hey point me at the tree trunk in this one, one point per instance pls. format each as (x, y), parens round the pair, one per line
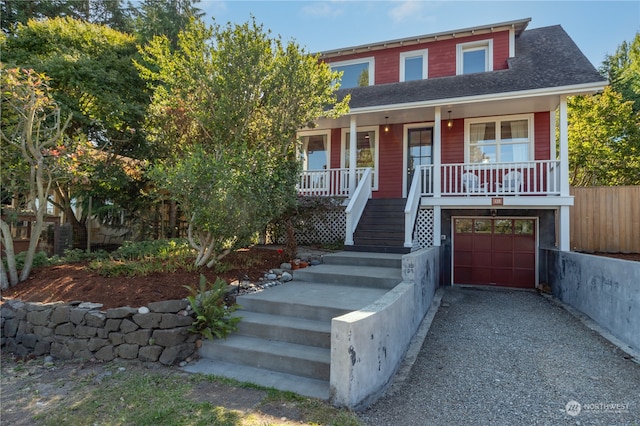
(7, 240)
(173, 219)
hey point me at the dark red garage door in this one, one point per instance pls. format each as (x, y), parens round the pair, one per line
(492, 251)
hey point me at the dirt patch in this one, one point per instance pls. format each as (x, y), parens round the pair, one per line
(76, 282)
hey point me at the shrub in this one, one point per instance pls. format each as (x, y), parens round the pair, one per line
(213, 316)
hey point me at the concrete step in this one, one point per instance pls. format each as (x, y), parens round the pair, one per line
(284, 328)
(310, 300)
(270, 379)
(350, 275)
(289, 358)
(364, 259)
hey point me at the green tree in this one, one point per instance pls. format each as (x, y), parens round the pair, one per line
(104, 12)
(32, 134)
(94, 80)
(241, 97)
(622, 69)
(604, 140)
(164, 17)
(604, 135)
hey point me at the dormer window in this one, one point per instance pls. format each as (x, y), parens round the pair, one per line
(355, 73)
(413, 65)
(474, 57)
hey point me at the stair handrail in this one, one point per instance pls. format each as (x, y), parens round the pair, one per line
(411, 208)
(356, 205)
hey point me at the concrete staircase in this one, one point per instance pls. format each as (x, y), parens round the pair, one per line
(381, 227)
(284, 337)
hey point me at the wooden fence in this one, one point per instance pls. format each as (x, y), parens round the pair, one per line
(606, 219)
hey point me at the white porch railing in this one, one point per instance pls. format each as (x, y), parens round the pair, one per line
(357, 204)
(327, 183)
(413, 202)
(491, 179)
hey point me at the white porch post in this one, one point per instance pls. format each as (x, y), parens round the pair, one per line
(437, 157)
(353, 158)
(564, 233)
(437, 225)
(436, 178)
(564, 148)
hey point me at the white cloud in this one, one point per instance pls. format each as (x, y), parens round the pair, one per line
(406, 10)
(322, 9)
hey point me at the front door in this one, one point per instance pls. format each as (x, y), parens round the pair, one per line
(419, 151)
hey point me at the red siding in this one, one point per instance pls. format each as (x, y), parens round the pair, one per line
(336, 135)
(452, 142)
(442, 56)
(390, 159)
(542, 131)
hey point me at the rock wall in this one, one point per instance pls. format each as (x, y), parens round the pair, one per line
(157, 333)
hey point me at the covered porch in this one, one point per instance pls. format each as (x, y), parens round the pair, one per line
(449, 176)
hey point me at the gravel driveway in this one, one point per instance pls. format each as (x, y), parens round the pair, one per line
(506, 357)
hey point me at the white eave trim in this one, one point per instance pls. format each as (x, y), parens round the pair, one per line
(579, 89)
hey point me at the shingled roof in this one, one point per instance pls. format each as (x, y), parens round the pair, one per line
(546, 58)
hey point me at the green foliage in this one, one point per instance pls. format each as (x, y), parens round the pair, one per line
(105, 12)
(145, 257)
(604, 140)
(164, 17)
(213, 317)
(227, 105)
(94, 81)
(39, 259)
(622, 69)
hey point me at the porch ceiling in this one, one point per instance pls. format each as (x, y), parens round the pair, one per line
(408, 113)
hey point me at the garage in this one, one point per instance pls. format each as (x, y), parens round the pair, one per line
(494, 251)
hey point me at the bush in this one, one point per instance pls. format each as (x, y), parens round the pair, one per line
(213, 316)
(145, 257)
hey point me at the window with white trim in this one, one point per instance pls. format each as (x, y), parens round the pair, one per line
(366, 150)
(414, 65)
(474, 57)
(355, 73)
(499, 140)
(315, 150)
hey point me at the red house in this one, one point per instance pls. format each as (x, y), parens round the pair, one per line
(458, 140)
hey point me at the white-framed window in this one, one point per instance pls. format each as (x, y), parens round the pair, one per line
(356, 72)
(414, 65)
(474, 57)
(499, 139)
(315, 149)
(367, 150)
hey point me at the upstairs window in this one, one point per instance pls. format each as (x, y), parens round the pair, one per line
(355, 73)
(474, 57)
(499, 140)
(413, 65)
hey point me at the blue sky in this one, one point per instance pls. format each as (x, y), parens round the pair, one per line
(597, 27)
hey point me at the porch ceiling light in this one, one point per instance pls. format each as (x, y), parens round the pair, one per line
(450, 122)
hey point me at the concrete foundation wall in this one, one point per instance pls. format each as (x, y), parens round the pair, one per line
(368, 345)
(605, 289)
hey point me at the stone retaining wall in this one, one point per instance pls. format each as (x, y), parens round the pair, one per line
(157, 333)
